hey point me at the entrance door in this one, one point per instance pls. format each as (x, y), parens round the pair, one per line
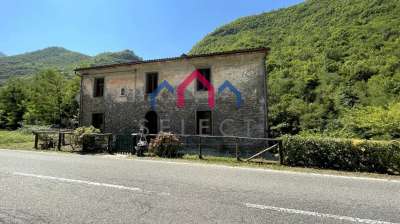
(152, 122)
(203, 123)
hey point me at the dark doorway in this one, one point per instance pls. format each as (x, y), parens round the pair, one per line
(152, 122)
(98, 121)
(203, 123)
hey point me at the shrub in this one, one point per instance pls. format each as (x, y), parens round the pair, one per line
(165, 145)
(28, 129)
(342, 154)
(81, 136)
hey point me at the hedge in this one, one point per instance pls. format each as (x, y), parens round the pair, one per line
(342, 154)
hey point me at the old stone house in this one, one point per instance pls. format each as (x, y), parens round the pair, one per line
(217, 94)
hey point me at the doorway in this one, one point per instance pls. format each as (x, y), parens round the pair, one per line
(203, 123)
(152, 122)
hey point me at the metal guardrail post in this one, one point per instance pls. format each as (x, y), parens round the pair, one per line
(36, 140)
(237, 149)
(59, 141)
(200, 152)
(109, 143)
(280, 150)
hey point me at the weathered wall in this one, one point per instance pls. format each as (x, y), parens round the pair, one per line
(123, 114)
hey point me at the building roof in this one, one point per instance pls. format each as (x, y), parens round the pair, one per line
(182, 57)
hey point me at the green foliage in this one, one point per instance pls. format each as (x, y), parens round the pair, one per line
(81, 131)
(342, 154)
(13, 103)
(373, 122)
(46, 93)
(7, 137)
(326, 58)
(45, 98)
(165, 145)
(114, 57)
(51, 97)
(33, 62)
(29, 129)
(57, 58)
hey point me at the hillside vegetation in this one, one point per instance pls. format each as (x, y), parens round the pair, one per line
(334, 66)
(39, 88)
(56, 58)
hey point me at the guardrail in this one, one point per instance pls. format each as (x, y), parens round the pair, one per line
(242, 148)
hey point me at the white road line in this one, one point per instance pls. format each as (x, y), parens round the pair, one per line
(120, 187)
(316, 214)
(266, 170)
(254, 169)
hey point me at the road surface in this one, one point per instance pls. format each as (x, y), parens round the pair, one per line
(37, 187)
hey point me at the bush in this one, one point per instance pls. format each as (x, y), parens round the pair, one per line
(28, 129)
(81, 135)
(342, 154)
(165, 145)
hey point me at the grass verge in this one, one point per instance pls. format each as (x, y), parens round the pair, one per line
(16, 140)
(262, 164)
(25, 141)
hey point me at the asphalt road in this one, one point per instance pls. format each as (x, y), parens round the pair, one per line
(40, 187)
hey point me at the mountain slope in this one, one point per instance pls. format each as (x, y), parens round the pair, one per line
(326, 58)
(114, 57)
(58, 58)
(2, 54)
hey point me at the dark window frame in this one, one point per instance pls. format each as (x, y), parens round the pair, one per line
(198, 121)
(122, 91)
(98, 89)
(207, 75)
(151, 82)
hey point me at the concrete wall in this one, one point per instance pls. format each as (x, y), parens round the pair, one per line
(123, 114)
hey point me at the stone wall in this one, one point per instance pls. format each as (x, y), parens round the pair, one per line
(123, 114)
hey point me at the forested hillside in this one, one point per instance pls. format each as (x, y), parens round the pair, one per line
(334, 66)
(39, 88)
(56, 58)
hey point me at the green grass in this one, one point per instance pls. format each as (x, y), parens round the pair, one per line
(272, 165)
(16, 140)
(25, 141)
(15, 137)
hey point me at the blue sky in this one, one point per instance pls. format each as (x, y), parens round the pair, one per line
(152, 29)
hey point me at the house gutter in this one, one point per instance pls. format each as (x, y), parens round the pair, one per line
(80, 99)
(265, 95)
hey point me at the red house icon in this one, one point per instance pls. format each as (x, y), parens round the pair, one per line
(180, 102)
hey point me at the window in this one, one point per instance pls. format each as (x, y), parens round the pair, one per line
(123, 92)
(204, 122)
(151, 82)
(98, 120)
(206, 72)
(98, 87)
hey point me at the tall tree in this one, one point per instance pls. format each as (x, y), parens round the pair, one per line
(13, 97)
(47, 92)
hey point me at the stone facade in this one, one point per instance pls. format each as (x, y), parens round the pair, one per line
(123, 114)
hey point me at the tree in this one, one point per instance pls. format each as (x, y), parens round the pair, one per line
(13, 97)
(51, 98)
